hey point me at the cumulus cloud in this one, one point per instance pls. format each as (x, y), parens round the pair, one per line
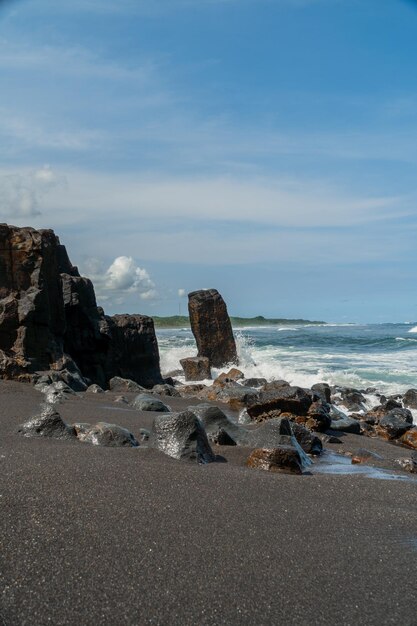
(181, 293)
(121, 281)
(21, 193)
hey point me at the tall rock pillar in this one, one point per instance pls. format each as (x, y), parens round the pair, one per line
(211, 327)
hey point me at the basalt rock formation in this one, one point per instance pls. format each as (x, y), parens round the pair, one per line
(50, 321)
(211, 327)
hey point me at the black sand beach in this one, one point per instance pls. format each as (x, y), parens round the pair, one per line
(93, 535)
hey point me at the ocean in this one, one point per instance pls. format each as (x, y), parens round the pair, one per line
(383, 356)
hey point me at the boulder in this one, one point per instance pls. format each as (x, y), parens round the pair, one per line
(347, 425)
(94, 389)
(119, 384)
(104, 434)
(232, 394)
(48, 423)
(409, 438)
(353, 399)
(323, 390)
(410, 399)
(275, 385)
(219, 428)
(211, 327)
(318, 416)
(254, 382)
(280, 459)
(286, 399)
(394, 424)
(181, 436)
(233, 375)
(166, 390)
(144, 402)
(196, 368)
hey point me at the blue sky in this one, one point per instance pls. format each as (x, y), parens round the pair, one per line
(267, 148)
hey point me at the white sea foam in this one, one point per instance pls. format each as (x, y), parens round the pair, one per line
(413, 330)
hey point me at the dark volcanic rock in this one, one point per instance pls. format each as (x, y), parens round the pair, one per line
(48, 423)
(394, 424)
(196, 368)
(144, 402)
(254, 382)
(410, 399)
(166, 390)
(124, 384)
(281, 459)
(288, 399)
(323, 390)
(181, 436)
(133, 351)
(318, 416)
(211, 327)
(49, 319)
(347, 425)
(219, 428)
(353, 399)
(104, 434)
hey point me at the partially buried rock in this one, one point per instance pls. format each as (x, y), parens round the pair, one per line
(124, 384)
(144, 402)
(166, 390)
(181, 436)
(196, 368)
(105, 434)
(94, 389)
(281, 459)
(48, 423)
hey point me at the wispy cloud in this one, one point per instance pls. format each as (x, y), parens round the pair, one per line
(21, 194)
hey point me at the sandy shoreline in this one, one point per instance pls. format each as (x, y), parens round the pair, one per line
(98, 535)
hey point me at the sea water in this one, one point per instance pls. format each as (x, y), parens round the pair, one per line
(383, 356)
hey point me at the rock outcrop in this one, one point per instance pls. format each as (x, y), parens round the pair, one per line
(211, 327)
(50, 321)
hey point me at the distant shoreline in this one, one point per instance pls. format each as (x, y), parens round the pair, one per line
(181, 321)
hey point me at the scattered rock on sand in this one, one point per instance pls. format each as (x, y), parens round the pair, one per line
(281, 459)
(48, 423)
(105, 434)
(181, 436)
(347, 425)
(144, 402)
(196, 368)
(289, 399)
(94, 389)
(124, 384)
(166, 390)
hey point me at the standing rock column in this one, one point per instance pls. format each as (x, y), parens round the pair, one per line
(211, 327)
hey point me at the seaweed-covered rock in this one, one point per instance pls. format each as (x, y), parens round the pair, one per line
(280, 459)
(211, 327)
(144, 402)
(181, 436)
(48, 423)
(196, 368)
(105, 434)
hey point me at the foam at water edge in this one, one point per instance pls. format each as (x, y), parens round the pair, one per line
(413, 330)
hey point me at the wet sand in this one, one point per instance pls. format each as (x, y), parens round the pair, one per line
(93, 535)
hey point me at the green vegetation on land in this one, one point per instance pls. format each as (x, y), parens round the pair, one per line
(183, 321)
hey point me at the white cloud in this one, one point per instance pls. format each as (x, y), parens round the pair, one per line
(122, 281)
(21, 194)
(181, 293)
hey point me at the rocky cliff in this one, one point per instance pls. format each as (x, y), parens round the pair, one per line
(49, 319)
